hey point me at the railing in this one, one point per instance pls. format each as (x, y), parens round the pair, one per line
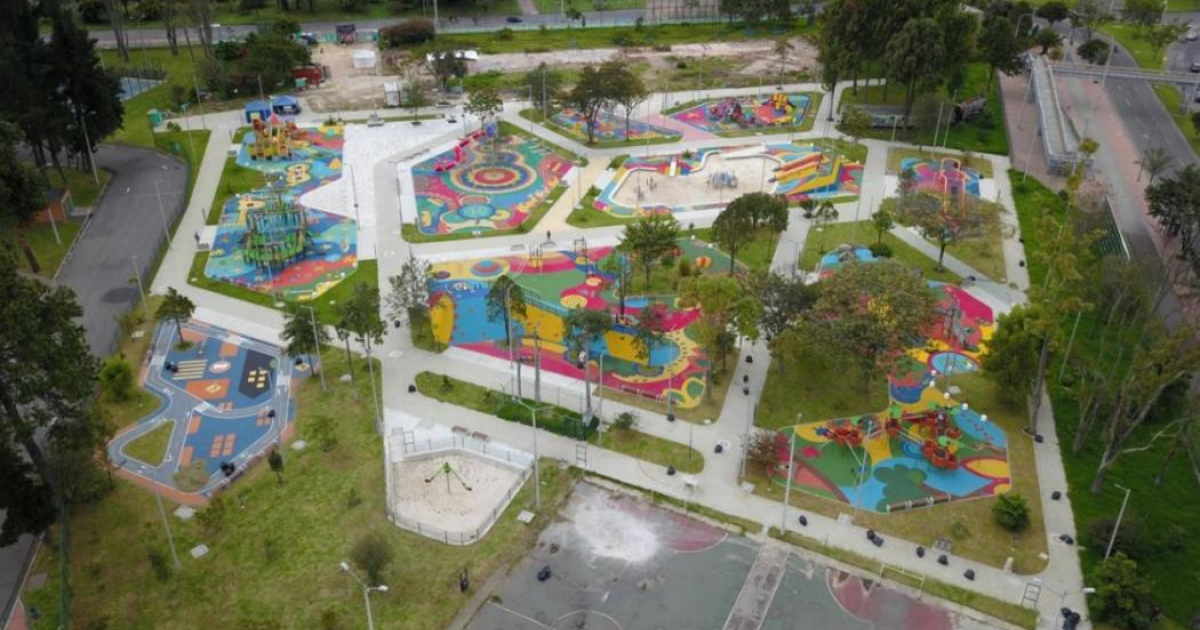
(461, 538)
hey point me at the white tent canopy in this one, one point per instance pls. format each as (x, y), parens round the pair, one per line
(365, 59)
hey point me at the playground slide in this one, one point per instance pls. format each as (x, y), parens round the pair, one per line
(674, 167)
(814, 158)
(805, 170)
(753, 151)
(823, 181)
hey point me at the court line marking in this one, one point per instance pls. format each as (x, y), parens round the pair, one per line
(525, 617)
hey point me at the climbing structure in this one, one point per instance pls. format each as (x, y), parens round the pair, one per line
(276, 233)
(272, 139)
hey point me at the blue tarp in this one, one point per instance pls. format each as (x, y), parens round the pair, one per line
(285, 105)
(257, 109)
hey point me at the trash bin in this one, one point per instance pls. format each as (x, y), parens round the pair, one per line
(156, 117)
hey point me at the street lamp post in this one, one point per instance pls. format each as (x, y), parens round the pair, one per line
(88, 146)
(1117, 526)
(366, 589)
(316, 341)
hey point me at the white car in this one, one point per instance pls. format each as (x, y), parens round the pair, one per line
(1192, 35)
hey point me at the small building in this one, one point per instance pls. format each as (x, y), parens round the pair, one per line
(392, 94)
(257, 110)
(365, 59)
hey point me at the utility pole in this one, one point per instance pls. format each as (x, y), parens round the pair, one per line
(166, 525)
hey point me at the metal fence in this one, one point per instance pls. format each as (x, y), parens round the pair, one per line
(411, 449)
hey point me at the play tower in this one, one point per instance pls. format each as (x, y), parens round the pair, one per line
(276, 233)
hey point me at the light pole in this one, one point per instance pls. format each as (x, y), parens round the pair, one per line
(787, 488)
(137, 275)
(88, 146)
(366, 589)
(1117, 526)
(354, 193)
(162, 214)
(316, 341)
(1017, 27)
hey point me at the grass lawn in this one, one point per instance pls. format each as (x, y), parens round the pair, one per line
(178, 69)
(756, 254)
(862, 232)
(585, 215)
(274, 561)
(984, 135)
(630, 442)
(609, 37)
(325, 306)
(967, 524)
(1161, 513)
(235, 180)
(1018, 615)
(897, 155)
(84, 190)
(983, 252)
(536, 116)
(151, 447)
(48, 251)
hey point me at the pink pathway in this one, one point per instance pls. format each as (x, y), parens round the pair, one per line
(689, 132)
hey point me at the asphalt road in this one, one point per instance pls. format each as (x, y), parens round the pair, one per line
(128, 221)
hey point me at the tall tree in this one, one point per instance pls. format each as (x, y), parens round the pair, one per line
(784, 301)
(620, 267)
(545, 85)
(176, 307)
(22, 192)
(726, 311)
(740, 221)
(650, 238)
(90, 93)
(505, 301)
(302, 333)
(1143, 14)
(584, 328)
(1155, 161)
(590, 96)
(626, 87)
(1012, 353)
(409, 298)
(1091, 15)
(361, 316)
(47, 375)
(915, 57)
(1001, 46)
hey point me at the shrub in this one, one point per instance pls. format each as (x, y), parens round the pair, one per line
(681, 65)
(505, 34)
(372, 554)
(881, 250)
(625, 421)
(116, 376)
(158, 562)
(685, 267)
(763, 451)
(1122, 593)
(322, 434)
(1094, 50)
(1011, 512)
(1128, 541)
(406, 33)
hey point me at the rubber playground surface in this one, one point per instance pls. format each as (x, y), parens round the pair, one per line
(331, 253)
(944, 176)
(485, 185)
(619, 563)
(924, 448)
(609, 128)
(713, 176)
(741, 113)
(227, 399)
(562, 279)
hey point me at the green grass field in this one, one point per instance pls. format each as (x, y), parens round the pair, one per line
(235, 180)
(1163, 514)
(151, 447)
(84, 190)
(863, 233)
(274, 561)
(48, 251)
(984, 135)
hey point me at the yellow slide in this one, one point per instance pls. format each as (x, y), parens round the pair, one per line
(824, 180)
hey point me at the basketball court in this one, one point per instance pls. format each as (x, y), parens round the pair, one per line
(619, 563)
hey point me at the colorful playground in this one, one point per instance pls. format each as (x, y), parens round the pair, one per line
(267, 241)
(557, 280)
(609, 128)
(946, 176)
(711, 177)
(486, 181)
(925, 448)
(227, 399)
(734, 114)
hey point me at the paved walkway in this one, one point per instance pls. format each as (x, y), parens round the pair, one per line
(718, 487)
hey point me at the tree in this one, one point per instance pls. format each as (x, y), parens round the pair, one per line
(1122, 592)
(627, 88)
(47, 375)
(583, 328)
(915, 57)
(415, 97)
(1091, 15)
(1047, 38)
(22, 192)
(116, 376)
(825, 214)
(80, 83)
(620, 267)
(275, 461)
(591, 95)
(650, 330)
(178, 308)
(1094, 51)
(343, 335)
(784, 300)
(763, 451)
(545, 85)
(1054, 12)
(1001, 47)
(870, 311)
(648, 239)
(1012, 353)
(1155, 160)
(410, 291)
(372, 554)
(782, 49)
(1175, 203)
(1159, 36)
(856, 123)
(360, 316)
(505, 300)
(302, 333)
(1143, 14)
(1011, 512)
(484, 102)
(740, 221)
(445, 63)
(726, 311)
(883, 222)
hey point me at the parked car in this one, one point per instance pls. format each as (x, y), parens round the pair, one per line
(512, 19)
(1195, 67)
(1192, 35)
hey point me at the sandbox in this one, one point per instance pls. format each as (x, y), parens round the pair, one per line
(453, 495)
